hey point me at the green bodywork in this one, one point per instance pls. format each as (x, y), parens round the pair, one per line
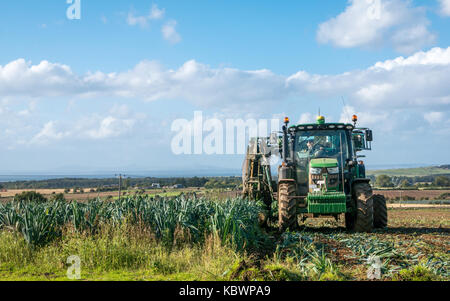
(328, 200)
(324, 163)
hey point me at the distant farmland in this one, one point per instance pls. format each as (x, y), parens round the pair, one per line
(412, 172)
(416, 194)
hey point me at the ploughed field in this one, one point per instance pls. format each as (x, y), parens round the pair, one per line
(8, 195)
(416, 194)
(189, 238)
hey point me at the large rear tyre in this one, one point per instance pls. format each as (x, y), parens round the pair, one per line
(380, 214)
(287, 206)
(362, 220)
(350, 219)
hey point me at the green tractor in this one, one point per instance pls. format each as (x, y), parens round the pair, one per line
(320, 175)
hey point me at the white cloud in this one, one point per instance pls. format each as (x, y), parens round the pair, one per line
(170, 33)
(434, 57)
(371, 23)
(168, 30)
(133, 20)
(50, 79)
(120, 110)
(409, 93)
(118, 122)
(49, 132)
(417, 81)
(193, 81)
(434, 117)
(110, 127)
(445, 7)
(306, 118)
(155, 14)
(370, 118)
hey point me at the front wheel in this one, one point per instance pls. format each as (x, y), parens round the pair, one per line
(287, 206)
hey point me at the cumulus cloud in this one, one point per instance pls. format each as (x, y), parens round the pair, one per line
(168, 30)
(445, 7)
(133, 20)
(110, 127)
(434, 57)
(389, 95)
(371, 23)
(49, 132)
(417, 81)
(306, 118)
(155, 14)
(148, 80)
(50, 79)
(118, 122)
(170, 33)
(371, 118)
(434, 117)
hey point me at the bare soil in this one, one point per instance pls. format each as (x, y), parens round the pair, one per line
(417, 194)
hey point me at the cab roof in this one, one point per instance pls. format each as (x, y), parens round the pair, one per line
(324, 126)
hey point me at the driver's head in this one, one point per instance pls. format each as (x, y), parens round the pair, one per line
(310, 143)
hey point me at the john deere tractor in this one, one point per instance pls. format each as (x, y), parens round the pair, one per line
(321, 174)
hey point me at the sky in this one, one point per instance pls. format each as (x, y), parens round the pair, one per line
(97, 87)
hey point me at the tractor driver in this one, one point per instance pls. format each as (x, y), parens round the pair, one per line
(310, 145)
(307, 146)
(309, 149)
(312, 150)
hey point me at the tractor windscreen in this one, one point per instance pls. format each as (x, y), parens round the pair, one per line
(321, 144)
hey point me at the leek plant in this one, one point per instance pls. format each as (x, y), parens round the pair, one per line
(234, 221)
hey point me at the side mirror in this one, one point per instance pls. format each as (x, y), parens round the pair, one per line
(369, 135)
(362, 140)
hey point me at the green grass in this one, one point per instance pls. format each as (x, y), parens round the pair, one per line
(416, 273)
(410, 172)
(124, 253)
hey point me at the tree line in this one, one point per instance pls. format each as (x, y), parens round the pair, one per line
(385, 181)
(113, 183)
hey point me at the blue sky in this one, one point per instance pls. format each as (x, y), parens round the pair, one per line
(100, 93)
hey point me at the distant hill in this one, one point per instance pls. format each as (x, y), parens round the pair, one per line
(412, 172)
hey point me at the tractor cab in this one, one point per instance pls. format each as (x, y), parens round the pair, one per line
(319, 151)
